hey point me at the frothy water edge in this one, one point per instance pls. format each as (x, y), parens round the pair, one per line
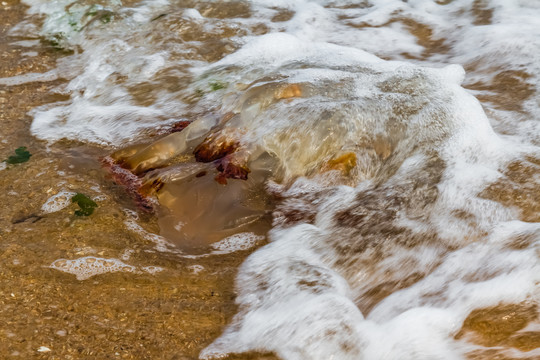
(384, 257)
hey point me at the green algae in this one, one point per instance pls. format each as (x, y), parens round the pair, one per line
(86, 204)
(21, 156)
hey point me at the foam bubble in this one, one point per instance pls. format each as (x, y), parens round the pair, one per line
(86, 267)
(152, 269)
(126, 254)
(236, 242)
(57, 202)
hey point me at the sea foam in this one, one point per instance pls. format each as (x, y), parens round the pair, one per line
(386, 259)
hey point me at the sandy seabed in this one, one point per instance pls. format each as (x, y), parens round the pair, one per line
(45, 313)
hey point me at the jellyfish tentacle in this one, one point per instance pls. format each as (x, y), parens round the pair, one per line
(154, 180)
(141, 158)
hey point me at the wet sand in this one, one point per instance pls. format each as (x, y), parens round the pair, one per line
(45, 313)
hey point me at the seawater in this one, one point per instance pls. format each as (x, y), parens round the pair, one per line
(399, 141)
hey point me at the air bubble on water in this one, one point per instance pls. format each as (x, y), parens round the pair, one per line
(61, 264)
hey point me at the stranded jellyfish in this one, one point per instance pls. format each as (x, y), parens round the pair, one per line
(220, 174)
(206, 179)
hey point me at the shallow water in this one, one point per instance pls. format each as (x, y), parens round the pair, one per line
(365, 172)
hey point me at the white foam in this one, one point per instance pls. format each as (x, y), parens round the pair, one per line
(92, 122)
(152, 269)
(322, 32)
(237, 242)
(161, 244)
(86, 267)
(26, 43)
(412, 212)
(287, 309)
(193, 14)
(30, 54)
(274, 50)
(29, 77)
(126, 254)
(57, 202)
